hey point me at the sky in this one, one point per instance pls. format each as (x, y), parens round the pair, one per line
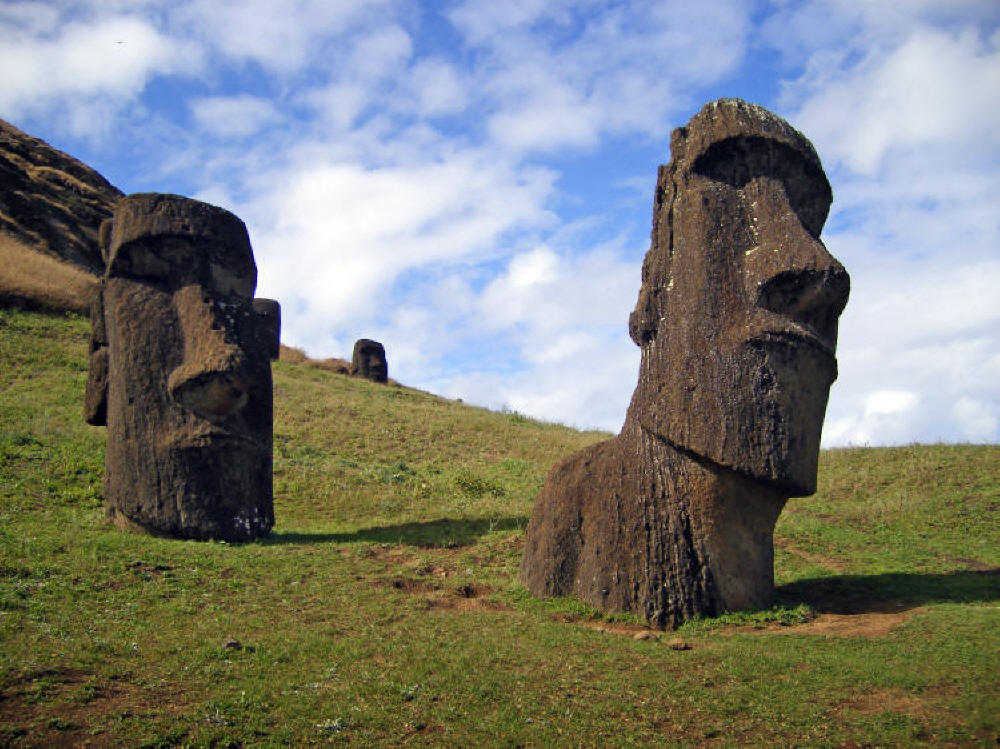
(471, 181)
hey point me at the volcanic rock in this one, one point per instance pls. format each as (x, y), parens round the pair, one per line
(51, 206)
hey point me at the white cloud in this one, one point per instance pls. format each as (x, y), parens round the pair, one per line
(923, 329)
(336, 235)
(111, 58)
(889, 402)
(556, 75)
(234, 116)
(481, 20)
(282, 36)
(937, 88)
(380, 53)
(976, 420)
(439, 88)
(29, 18)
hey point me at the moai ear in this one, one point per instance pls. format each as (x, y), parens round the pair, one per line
(642, 321)
(95, 397)
(269, 319)
(645, 318)
(104, 239)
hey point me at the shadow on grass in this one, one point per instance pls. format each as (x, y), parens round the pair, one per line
(442, 533)
(892, 591)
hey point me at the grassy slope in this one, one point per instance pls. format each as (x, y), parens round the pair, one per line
(385, 608)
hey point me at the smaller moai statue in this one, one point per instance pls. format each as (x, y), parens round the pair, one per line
(180, 372)
(369, 361)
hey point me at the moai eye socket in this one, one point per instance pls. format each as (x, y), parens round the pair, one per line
(158, 260)
(736, 161)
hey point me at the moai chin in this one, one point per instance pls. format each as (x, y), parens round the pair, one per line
(180, 372)
(368, 361)
(737, 322)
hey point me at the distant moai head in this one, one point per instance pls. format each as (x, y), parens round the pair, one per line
(737, 313)
(180, 372)
(368, 360)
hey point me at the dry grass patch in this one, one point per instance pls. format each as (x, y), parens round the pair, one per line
(29, 275)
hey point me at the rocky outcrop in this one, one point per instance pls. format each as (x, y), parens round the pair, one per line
(51, 206)
(180, 372)
(737, 322)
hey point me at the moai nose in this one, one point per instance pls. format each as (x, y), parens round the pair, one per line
(790, 272)
(208, 381)
(213, 395)
(812, 296)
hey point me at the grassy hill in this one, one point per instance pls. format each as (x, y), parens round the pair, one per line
(385, 607)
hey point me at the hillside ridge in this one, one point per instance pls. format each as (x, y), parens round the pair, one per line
(51, 208)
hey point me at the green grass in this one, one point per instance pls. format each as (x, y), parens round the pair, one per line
(385, 607)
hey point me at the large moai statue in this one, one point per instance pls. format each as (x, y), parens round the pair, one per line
(368, 361)
(180, 372)
(737, 322)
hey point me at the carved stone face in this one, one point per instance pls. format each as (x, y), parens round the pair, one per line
(189, 404)
(737, 316)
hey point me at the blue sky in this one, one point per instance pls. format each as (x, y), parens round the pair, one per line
(471, 181)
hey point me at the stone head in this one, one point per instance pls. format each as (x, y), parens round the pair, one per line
(369, 361)
(188, 378)
(738, 309)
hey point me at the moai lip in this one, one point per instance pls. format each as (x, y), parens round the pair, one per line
(180, 372)
(737, 322)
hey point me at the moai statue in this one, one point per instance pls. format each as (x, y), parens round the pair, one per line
(180, 372)
(737, 322)
(369, 361)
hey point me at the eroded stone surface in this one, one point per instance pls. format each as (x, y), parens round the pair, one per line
(737, 321)
(368, 361)
(186, 375)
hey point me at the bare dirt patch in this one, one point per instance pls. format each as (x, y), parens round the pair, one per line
(406, 585)
(925, 707)
(872, 624)
(67, 707)
(438, 595)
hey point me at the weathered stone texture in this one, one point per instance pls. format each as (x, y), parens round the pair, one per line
(737, 322)
(188, 377)
(369, 361)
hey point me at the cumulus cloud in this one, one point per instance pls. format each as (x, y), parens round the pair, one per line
(336, 235)
(440, 89)
(557, 75)
(564, 314)
(104, 59)
(234, 116)
(282, 36)
(909, 97)
(977, 420)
